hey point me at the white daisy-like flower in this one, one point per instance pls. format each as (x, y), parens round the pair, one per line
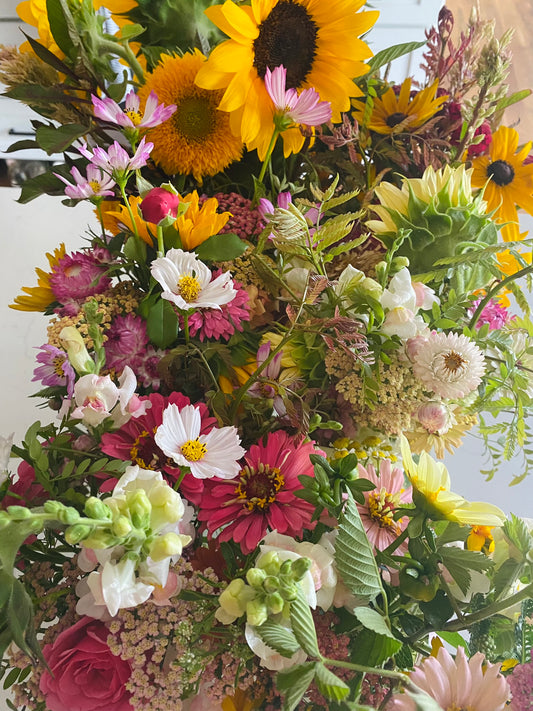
(207, 455)
(188, 283)
(449, 364)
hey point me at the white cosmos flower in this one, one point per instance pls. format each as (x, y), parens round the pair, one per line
(187, 282)
(207, 455)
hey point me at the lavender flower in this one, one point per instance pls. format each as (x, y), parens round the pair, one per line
(55, 369)
(117, 161)
(291, 107)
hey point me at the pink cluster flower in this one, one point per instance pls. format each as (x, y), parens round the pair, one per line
(77, 276)
(521, 684)
(495, 314)
(246, 220)
(221, 324)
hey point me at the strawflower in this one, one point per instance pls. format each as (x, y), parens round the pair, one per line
(77, 276)
(96, 184)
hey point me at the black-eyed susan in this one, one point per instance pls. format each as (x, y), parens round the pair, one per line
(393, 109)
(39, 298)
(197, 139)
(507, 180)
(315, 41)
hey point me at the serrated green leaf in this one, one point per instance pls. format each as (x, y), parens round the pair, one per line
(518, 533)
(329, 684)
(354, 556)
(334, 230)
(373, 621)
(221, 248)
(303, 625)
(391, 53)
(279, 638)
(372, 650)
(294, 683)
(459, 562)
(162, 324)
(339, 200)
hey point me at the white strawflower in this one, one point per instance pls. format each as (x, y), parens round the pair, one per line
(450, 365)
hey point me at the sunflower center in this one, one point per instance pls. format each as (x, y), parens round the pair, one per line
(57, 364)
(501, 172)
(287, 36)
(134, 116)
(382, 505)
(193, 450)
(395, 118)
(257, 488)
(189, 288)
(195, 117)
(453, 361)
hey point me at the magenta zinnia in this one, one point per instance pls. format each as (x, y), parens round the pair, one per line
(262, 497)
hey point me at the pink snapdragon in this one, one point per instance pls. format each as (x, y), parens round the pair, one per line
(96, 184)
(291, 107)
(131, 117)
(116, 161)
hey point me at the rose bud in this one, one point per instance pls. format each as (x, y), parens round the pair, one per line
(158, 204)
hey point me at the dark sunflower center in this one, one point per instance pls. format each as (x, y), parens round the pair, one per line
(501, 172)
(195, 118)
(287, 36)
(395, 119)
(257, 488)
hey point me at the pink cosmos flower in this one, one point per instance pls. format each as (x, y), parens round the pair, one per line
(474, 684)
(77, 276)
(390, 493)
(262, 497)
(55, 368)
(95, 184)
(116, 161)
(130, 117)
(221, 323)
(84, 674)
(291, 107)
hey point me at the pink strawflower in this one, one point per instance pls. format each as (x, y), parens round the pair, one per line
(291, 107)
(130, 117)
(262, 497)
(127, 341)
(116, 161)
(135, 442)
(474, 684)
(221, 324)
(55, 369)
(494, 313)
(96, 184)
(521, 684)
(77, 276)
(390, 493)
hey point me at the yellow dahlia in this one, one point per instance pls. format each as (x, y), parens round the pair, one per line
(508, 181)
(197, 139)
(41, 296)
(315, 41)
(391, 109)
(116, 218)
(199, 223)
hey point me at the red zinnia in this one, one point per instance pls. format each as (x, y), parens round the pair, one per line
(135, 442)
(262, 497)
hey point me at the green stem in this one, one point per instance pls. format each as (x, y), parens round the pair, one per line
(186, 327)
(135, 231)
(268, 156)
(495, 289)
(124, 52)
(396, 543)
(160, 242)
(367, 670)
(180, 479)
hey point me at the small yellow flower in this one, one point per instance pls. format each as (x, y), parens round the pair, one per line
(480, 539)
(199, 223)
(116, 218)
(40, 296)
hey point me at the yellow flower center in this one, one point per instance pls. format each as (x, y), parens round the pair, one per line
(193, 450)
(189, 288)
(257, 488)
(135, 116)
(382, 505)
(95, 185)
(57, 363)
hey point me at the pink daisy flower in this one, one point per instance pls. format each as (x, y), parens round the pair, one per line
(221, 324)
(459, 683)
(78, 276)
(377, 514)
(261, 497)
(135, 442)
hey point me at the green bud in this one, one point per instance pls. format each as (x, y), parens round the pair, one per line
(399, 263)
(165, 546)
(69, 515)
(286, 568)
(271, 584)
(53, 508)
(4, 519)
(96, 508)
(274, 603)
(139, 507)
(270, 563)
(19, 513)
(289, 591)
(256, 613)
(77, 353)
(75, 534)
(300, 566)
(101, 539)
(255, 577)
(121, 527)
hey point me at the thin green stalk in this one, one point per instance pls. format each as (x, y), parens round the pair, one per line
(367, 670)
(160, 242)
(124, 52)
(122, 186)
(268, 156)
(495, 289)
(186, 327)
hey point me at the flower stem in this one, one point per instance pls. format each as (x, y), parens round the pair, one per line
(266, 162)
(495, 289)
(160, 242)
(367, 670)
(124, 52)
(186, 327)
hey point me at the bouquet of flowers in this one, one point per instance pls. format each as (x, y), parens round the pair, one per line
(296, 296)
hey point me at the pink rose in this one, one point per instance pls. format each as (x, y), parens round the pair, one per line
(86, 675)
(158, 204)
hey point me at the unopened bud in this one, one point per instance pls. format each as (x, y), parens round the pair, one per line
(75, 534)
(95, 508)
(121, 527)
(69, 515)
(289, 591)
(19, 513)
(300, 566)
(271, 584)
(256, 613)
(270, 563)
(139, 507)
(274, 603)
(255, 577)
(165, 546)
(99, 540)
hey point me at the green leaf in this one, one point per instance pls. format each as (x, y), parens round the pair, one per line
(372, 650)
(56, 140)
(162, 324)
(294, 683)
(128, 32)
(506, 575)
(303, 625)
(375, 623)
(513, 99)
(50, 58)
(221, 248)
(12, 677)
(279, 638)
(459, 561)
(44, 183)
(329, 684)
(423, 702)
(454, 639)
(354, 555)
(517, 531)
(391, 53)
(23, 145)
(59, 27)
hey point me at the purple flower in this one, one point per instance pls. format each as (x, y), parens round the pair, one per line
(291, 107)
(96, 184)
(55, 369)
(117, 161)
(126, 344)
(130, 117)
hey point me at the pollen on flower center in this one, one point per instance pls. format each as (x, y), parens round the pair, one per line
(501, 172)
(395, 118)
(193, 450)
(257, 488)
(96, 186)
(195, 117)
(453, 361)
(57, 363)
(287, 36)
(135, 116)
(381, 506)
(189, 288)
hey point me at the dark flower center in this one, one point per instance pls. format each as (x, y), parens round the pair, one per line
(287, 36)
(501, 172)
(395, 119)
(257, 488)
(145, 453)
(195, 118)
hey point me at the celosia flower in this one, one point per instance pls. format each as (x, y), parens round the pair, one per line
(131, 116)
(262, 497)
(221, 323)
(96, 184)
(55, 368)
(474, 684)
(116, 161)
(377, 513)
(291, 107)
(187, 282)
(77, 276)
(215, 453)
(449, 364)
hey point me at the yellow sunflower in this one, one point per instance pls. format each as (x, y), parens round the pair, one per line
(508, 181)
(199, 223)
(391, 109)
(41, 296)
(315, 41)
(197, 138)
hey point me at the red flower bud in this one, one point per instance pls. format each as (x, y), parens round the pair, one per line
(159, 204)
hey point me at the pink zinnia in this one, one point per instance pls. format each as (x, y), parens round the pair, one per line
(221, 323)
(390, 493)
(262, 497)
(77, 276)
(459, 683)
(135, 442)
